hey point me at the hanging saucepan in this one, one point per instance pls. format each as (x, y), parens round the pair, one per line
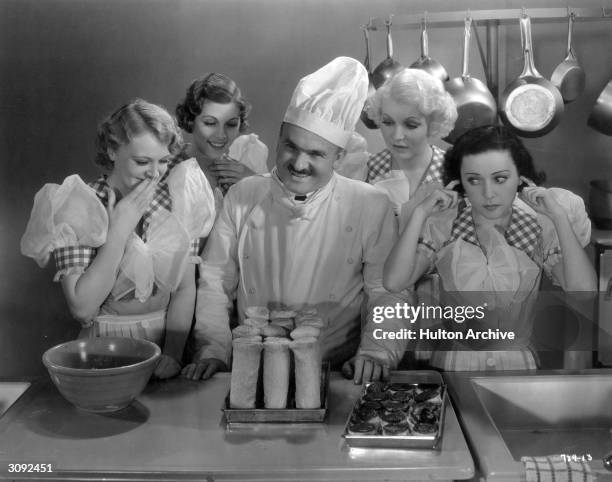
(531, 105)
(475, 103)
(425, 62)
(369, 123)
(388, 67)
(600, 118)
(569, 77)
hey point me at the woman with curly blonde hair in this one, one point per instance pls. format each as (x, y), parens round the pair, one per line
(412, 110)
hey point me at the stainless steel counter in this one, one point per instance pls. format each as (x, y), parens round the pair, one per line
(507, 415)
(176, 431)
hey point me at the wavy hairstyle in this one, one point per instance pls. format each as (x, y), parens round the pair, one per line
(213, 87)
(130, 120)
(489, 138)
(415, 87)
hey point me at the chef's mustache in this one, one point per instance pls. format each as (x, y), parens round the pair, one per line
(304, 172)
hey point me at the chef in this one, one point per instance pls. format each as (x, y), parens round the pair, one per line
(304, 237)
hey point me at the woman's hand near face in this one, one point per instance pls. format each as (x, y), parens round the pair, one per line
(439, 200)
(230, 171)
(125, 214)
(542, 200)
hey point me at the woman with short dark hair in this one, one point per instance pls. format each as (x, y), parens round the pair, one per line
(215, 113)
(490, 249)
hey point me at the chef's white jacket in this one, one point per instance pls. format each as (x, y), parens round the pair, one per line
(266, 249)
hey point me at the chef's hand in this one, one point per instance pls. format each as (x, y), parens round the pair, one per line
(364, 369)
(203, 369)
(167, 367)
(230, 171)
(542, 200)
(124, 215)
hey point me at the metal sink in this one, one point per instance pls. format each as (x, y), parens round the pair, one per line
(509, 415)
(10, 392)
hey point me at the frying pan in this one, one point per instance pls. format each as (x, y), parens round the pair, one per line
(568, 76)
(425, 62)
(388, 67)
(475, 103)
(531, 105)
(369, 123)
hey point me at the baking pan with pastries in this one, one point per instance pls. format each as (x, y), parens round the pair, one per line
(277, 372)
(406, 411)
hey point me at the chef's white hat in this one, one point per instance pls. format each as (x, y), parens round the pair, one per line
(329, 101)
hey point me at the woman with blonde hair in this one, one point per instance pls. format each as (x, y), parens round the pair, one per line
(413, 111)
(125, 245)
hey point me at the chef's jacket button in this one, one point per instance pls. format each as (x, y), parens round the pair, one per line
(349, 229)
(332, 297)
(490, 362)
(246, 256)
(350, 261)
(251, 290)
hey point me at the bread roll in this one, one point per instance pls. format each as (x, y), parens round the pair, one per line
(286, 323)
(307, 356)
(245, 372)
(255, 322)
(305, 331)
(274, 330)
(245, 330)
(260, 312)
(282, 314)
(307, 312)
(315, 321)
(276, 372)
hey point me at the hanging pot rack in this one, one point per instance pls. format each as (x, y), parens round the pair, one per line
(491, 19)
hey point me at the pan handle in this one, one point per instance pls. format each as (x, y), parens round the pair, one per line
(424, 39)
(466, 46)
(389, 41)
(366, 35)
(529, 68)
(570, 27)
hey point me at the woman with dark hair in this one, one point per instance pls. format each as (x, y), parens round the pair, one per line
(125, 245)
(490, 249)
(215, 113)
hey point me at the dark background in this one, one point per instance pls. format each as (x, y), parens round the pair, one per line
(65, 64)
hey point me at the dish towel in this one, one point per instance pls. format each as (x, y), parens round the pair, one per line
(556, 468)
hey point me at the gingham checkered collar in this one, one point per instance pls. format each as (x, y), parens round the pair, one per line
(161, 199)
(381, 165)
(522, 233)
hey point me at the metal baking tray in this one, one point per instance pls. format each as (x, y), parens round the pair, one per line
(281, 415)
(414, 379)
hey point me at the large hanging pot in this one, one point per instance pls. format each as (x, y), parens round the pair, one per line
(475, 104)
(600, 117)
(569, 76)
(425, 62)
(369, 123)
(388, 67)
(531, 105)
